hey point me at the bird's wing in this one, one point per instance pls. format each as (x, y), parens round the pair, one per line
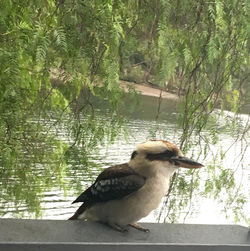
(113, 183)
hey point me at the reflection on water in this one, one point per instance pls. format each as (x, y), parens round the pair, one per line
(142, 126)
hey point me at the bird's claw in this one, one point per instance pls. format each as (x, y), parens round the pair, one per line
(140, 228)
(117, 227)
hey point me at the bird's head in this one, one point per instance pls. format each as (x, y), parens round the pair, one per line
(160, 155)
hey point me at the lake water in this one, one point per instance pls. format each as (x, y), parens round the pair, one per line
(142, 126)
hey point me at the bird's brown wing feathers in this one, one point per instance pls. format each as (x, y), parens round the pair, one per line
(113, 183)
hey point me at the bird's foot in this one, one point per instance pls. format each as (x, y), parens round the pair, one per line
(138, 227)
(117, 227)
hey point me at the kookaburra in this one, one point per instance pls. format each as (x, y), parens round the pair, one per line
(123, 194)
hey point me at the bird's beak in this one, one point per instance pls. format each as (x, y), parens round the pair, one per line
(186, 162)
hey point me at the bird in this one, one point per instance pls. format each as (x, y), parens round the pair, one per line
(125, 193)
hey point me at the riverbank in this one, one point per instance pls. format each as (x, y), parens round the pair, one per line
(147, 90)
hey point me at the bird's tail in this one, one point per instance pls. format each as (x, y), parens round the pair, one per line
(74, 217)
(79, 211)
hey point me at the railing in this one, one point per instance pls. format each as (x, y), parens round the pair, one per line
(33, 235)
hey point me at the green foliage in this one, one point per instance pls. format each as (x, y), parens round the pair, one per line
(203, 47)
(49, 53)
(56, 55)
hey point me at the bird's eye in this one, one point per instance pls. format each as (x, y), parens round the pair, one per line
(166, 155)
(169, 153)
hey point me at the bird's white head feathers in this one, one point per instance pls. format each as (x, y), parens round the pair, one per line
(158, 146)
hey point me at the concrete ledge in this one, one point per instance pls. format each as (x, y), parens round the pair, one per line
(77, 235)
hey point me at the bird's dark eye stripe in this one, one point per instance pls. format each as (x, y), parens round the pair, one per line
(161, 156)
(133, 154)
